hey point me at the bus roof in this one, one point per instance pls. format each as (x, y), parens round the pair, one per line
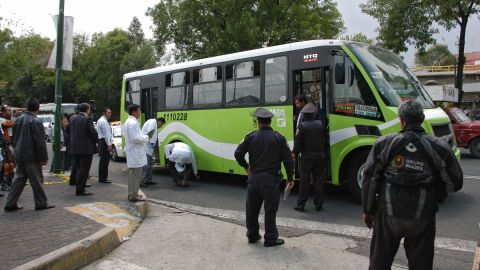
(235, 56)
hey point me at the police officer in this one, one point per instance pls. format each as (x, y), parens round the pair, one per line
(267, 149)
(309, 142)
(406, 175)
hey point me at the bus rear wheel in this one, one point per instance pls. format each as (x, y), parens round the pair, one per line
(474, 148)
(114, 154)
(354, 174)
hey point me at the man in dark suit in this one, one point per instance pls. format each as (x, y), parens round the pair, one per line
(83, 139)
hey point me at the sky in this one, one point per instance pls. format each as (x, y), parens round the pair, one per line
(104, 15)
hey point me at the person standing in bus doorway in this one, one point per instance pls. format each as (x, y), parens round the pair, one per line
(181, 163)
(150, 129)
(309, 146)
(104, 145)
(300, 102)
(30, 151)
(134, 149)
(83, 144)
(405, 177)
(267, 149)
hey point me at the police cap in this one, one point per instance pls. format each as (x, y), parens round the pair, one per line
(309, 108)
(263, 113)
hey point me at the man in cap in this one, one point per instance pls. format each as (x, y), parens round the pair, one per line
(310, 146)
(181, 162)
(267, 149)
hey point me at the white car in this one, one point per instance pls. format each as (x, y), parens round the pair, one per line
(117, 151)
(47, 120)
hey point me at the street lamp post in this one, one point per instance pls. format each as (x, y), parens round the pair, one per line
(58, 90)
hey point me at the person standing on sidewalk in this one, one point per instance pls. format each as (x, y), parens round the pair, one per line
(134, 149)
(267, 149)
(310, 143)
(104, 145)
(150, 129)
(405, 177)
(83, 144)
(1, 160)
(30, 151)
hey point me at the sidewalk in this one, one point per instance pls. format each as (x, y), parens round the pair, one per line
(173, 239)
(28, 235)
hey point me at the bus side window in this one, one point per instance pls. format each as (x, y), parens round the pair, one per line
(132, 95)
(176, 90)
(243, 83)
(276, 80)
(207, 86)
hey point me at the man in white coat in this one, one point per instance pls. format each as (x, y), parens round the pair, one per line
(134, 148)
(150, 129)
(181, 162)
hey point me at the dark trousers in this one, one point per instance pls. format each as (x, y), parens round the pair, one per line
(311, 175)
(33, 173)
(262, 188)
(67, 159)
(82, 164)
(73, 173)
(419, 238)
(104, 160)
(180, 178)
(147, 170)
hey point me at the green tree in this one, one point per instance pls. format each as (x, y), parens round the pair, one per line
(135, 32)
(204, 28)
(358, 37)
(437, 55)
(413, 22)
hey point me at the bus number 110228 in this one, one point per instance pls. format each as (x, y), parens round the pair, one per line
(175, 116)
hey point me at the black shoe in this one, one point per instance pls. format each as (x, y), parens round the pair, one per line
(106, 181)
(72, 184)
(1, 195)
(143, 185)
(254, 239)
(44, 207)
(88, 185)
(319, 208)
(151, 183)
(84, 194)
(11, 209)
(277, 242)
(299, 208)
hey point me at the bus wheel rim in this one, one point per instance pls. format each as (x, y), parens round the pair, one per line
(360, 175)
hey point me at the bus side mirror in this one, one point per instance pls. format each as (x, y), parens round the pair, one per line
(340, 73)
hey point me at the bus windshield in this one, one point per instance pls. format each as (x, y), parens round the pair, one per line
(391, 77)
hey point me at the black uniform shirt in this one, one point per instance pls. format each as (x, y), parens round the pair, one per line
(266, 149)
(309, 138)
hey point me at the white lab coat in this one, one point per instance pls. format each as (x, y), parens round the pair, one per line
(147, 128)
(181, 153)
(134, 143)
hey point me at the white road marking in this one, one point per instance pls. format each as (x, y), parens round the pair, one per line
(116, 264)
(472, 177)
(440, 242)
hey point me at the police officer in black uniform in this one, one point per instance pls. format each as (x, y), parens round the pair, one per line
(309, 143)
(406, 175)
(267, 149)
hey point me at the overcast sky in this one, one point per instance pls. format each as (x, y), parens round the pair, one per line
(104, 15)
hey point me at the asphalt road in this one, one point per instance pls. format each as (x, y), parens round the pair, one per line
(458, 217)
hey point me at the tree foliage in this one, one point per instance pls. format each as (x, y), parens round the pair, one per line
(414, 22)
(204, 28)
(437, 55)
(358, 37)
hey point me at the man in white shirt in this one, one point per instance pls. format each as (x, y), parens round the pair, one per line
(150, 129)
(104, 145)
(181, 162)
(134, 149)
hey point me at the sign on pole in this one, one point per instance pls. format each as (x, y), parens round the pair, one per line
(67, 44)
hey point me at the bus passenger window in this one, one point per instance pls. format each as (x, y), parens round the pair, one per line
(276, 80)
(176, 90)
(243, 83)
(207, 86)
(132, 95)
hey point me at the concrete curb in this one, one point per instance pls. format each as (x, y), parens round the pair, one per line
(87, 250)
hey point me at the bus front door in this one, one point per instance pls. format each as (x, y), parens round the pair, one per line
(313, 84)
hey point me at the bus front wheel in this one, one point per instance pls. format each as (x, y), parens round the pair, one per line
(354, 173)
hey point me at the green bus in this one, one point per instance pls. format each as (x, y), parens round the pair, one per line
(209, 103)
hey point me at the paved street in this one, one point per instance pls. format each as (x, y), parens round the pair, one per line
(223, 196)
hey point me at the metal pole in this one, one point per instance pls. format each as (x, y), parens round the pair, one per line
(58, 91)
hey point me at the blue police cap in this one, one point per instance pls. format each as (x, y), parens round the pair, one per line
(309, 108)
(263, 113)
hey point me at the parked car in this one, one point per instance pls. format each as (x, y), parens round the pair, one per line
(117, 152)
(47, 120)
(467, 132)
